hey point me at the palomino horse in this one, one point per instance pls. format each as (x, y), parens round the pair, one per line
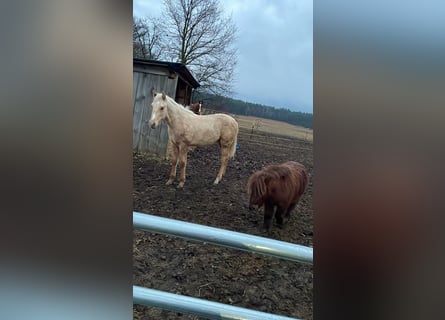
(188, 129)
(195, 107)
(279, 185)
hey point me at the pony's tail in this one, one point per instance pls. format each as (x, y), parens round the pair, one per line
(303, 179)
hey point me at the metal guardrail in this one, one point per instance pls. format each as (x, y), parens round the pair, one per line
(199, 307)
(226, 238)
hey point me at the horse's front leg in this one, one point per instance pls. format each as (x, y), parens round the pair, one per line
(174, 164)
(182, 163)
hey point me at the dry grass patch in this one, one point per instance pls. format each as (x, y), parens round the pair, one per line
(274, 127)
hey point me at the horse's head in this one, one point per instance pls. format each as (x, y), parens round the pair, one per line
(159, 108)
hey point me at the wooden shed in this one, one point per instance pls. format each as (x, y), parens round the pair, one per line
(172, 78)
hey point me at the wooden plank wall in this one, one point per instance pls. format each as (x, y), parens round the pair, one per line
(146, 139)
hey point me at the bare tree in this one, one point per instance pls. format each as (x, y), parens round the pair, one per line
(147, 42)
(201, 37)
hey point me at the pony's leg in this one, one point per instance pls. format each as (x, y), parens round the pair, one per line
(174, 165)
(268, 215)
(288, 211)
(182, 164)
(279, 216)
(224, 160)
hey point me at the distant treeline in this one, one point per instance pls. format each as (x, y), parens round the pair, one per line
(253, 109)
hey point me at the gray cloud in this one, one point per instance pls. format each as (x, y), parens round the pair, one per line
(275, 50)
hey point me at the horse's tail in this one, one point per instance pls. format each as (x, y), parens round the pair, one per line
(232, 150)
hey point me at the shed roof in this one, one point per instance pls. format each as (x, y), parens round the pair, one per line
(179, 68)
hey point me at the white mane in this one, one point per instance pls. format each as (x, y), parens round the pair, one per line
(188, 109)
(183, 107)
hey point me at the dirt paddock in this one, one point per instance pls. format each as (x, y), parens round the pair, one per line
(211, 272)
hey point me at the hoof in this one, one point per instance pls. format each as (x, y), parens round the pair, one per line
(217, 180)
(169, 182)
(181, 185)
(285, 220)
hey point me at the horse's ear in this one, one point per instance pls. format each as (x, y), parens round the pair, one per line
(153, 92)
(163, 96)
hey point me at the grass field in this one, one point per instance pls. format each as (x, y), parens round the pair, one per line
(274, 127)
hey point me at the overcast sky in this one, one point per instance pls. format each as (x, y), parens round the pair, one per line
(275, 49)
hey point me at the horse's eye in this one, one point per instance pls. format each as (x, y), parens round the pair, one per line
(162, 108)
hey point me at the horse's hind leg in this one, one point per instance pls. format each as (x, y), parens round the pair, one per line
(174, 165)
(224, 161)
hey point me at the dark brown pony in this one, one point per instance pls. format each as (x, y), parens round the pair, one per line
(280, 186)
(195, 107)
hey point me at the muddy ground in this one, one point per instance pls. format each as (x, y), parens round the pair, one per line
(211, 272)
